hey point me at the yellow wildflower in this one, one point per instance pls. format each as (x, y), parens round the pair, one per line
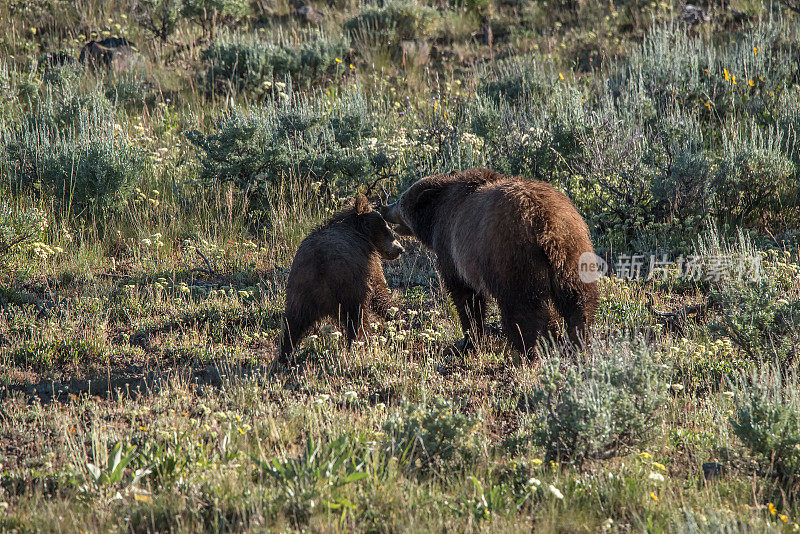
(751, 83)
(727, 75)
(772, 508)
(337, 60)
(784, 518)
(755, 50)
(561, 76)
(352, 66)
(654, 496)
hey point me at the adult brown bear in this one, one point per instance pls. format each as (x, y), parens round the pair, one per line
(337, 273)
(519, 241)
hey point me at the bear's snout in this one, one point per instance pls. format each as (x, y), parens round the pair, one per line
(394, 251)
(392, 215)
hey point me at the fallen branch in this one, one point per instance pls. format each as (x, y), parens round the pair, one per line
(675, 320)
(209, 271)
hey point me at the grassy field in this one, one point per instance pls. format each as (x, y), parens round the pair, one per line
(150, 209)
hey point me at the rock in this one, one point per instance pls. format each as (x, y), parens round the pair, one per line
(692, 15)
(309, 14)
(415, 52)
(114, 53)
(713, 470)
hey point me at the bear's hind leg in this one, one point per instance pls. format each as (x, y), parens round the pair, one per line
(296, 324)
(577, 307)
(526, 323)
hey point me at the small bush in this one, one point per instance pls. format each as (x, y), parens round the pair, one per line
(515, 80)
(684, 188)
(767, 421)
(209, 13)
(761, 316)
(159, 17)
(423, 436)
(129, 92)
(291, 137)
(392, 22)
(89, 167)
(20, 228)
(755, 180)
(318, 473)
(600, 409)
(246, 63)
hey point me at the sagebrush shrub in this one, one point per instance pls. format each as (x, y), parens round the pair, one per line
(323, 466)
(392, 22)
(209, 13)
(295, 137)
(761, 315)
(602, 408)
(767, 421)
(247, 63)
(159, 17)
(88, 167)
(755, 179)
(514, 80)
(423, 436)
(20, 227)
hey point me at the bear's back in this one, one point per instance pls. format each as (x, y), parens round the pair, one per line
(507, 222)
(331, 260)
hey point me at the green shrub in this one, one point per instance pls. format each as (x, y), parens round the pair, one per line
(159, 17)
(755, 180)
(209, 13)
(767, 421)
(515, 80)
(245, 63)
(88, 167)
(674, 66)
(20, 228)
(292, 137)
(683, 185)
(761, 315)
(129, 92)
(392, 22)
(318, 473)
(62, 77)
(602, 408)
(423, 436)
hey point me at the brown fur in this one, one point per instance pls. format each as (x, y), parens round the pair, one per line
(337, 273)
(509, 238)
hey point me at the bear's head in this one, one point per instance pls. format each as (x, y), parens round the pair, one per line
(415, 211)
(372, 225)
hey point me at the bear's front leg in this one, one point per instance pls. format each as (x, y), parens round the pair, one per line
(471, 308)
(381, 298)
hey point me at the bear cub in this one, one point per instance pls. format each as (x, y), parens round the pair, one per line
(337, 273)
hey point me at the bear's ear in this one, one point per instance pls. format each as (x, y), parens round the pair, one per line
(362, 205)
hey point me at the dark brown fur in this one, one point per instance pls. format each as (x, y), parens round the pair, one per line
(337, 273)
(516, 240)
